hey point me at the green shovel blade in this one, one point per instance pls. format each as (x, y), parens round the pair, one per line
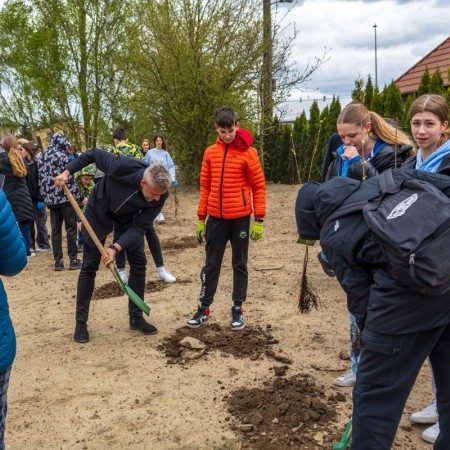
(346, 438)
(131, 294)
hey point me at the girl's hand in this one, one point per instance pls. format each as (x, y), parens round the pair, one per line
(350, 152)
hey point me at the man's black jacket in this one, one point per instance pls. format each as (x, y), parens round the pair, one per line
(118, 196)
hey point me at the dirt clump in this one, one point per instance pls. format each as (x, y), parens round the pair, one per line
(284, 413)
(251, 342)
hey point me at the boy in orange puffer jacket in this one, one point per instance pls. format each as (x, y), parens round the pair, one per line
(232, 186)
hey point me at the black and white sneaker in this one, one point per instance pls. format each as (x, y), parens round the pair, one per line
(237, 318)
(200, 317)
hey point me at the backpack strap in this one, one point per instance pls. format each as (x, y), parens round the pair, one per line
(387, 183)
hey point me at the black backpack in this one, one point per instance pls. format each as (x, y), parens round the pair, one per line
(412, 223)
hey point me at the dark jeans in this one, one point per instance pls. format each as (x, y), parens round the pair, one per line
(26, 234)
(39, 239)
(57, 217)
(4, 383)
(387, 370)
(86, 280)
(154, 245)
(218, 233)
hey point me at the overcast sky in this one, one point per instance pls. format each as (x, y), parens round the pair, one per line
(406, 31)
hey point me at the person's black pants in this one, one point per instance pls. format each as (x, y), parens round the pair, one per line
(387, 370)
(91, 262)
(69, 217)
(218, 233)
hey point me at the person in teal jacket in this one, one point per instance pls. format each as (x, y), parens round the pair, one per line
(13, 259)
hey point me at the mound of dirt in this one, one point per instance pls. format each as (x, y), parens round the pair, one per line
(285, 413)
(112, 289)
(179, 243)
(251, 342)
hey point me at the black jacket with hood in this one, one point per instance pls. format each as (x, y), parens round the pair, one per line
(378, 301)
(117, 197)
(386, 158)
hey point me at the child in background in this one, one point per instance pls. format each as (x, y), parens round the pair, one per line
(160, 155)
(84, 180)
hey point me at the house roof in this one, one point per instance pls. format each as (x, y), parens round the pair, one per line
(438, 58)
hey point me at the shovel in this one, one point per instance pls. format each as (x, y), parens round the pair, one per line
(123, 286)
(346, 438)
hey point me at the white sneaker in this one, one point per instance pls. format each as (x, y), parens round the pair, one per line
(165, 275)
(431, 434)
(427, 415)
(346, 380)
(123, 275)
(160, 218)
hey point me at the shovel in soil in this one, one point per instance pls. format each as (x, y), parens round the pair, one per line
(346, 438)
(123, 286)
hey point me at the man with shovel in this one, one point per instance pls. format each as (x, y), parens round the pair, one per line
(126, 200)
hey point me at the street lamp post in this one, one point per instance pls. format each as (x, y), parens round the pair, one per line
(376, 68)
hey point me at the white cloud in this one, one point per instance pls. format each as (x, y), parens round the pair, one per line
(406, 31)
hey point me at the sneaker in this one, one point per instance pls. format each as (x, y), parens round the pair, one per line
(199, 318)
(140, 324)
(160, 218)
(427, 415)
(75, 264)
(123, 275)
(59, 265)
(165, 275)
(431, 433)
(346, 380)
(40, 249)
(326, 266)
(31, 255)
(81, 334)
(237, 318)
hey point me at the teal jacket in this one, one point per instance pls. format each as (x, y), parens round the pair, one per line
(12, 260)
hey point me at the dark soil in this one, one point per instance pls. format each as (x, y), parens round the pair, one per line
(284, 414)
(112, 289)
(179, 243)
(251, 342)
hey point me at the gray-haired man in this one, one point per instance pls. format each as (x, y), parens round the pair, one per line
(126, 200)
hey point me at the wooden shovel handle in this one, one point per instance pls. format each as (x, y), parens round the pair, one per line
(83, 219)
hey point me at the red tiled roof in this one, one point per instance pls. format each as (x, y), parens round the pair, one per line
(438, 58)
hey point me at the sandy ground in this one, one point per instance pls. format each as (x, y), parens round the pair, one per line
(123, 390)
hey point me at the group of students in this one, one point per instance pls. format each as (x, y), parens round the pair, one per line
(395, 328)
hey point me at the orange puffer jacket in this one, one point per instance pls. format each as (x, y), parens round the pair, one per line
(231, 175)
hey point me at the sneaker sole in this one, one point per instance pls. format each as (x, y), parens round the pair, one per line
(59, 269)
(190, 325)
(430, 420)
(74, 268)
(342, 384)
(81, 341)
(166, 281)
(237, 328)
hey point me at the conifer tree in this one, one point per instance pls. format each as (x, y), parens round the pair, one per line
(405, 122)
(424, 86)
(368, 93)
(437, 83)
(377, 104)
(393, 105)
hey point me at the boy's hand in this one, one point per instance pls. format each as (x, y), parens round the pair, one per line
(256, 231)
(201, 231)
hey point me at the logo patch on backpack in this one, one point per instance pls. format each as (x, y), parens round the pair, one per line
(401, 208)
(336, 226)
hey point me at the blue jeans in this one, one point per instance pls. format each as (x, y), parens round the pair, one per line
(26, 234)
(353, 341)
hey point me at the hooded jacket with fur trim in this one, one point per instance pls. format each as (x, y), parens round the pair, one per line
(232, 183)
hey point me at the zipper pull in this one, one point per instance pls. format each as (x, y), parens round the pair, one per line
(411, 264)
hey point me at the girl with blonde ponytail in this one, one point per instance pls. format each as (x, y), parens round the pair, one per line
(12, 166)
